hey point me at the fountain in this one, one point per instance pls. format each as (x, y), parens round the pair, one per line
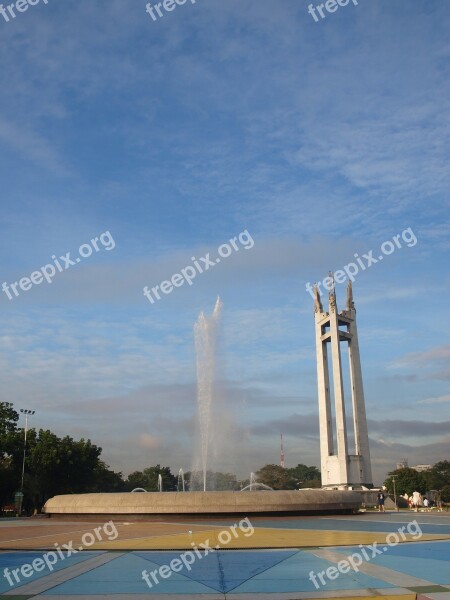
(256, 485)
(181, 486)
(205, 331)
(160, 485)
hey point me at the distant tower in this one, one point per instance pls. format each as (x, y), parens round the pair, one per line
(339, 468)
(282, 453)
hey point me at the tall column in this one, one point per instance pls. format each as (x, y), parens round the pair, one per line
(359, 410)
(341, 427)
(323, 385)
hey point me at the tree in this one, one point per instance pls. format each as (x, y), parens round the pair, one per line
(276, 477)
(445, 493)
(148, 479)
(222, 481)
(279, 478)
(58, 466)
(9, 440)
(8, 422)
(106, 480)
(439, 476)
(407, 481)
(308, 477)
(8, 480)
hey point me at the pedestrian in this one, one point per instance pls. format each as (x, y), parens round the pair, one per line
(380, 501)
(417, 501)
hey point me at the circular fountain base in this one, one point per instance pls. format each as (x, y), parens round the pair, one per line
(153, 504)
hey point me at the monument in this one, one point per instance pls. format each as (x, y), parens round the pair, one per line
(340, 469)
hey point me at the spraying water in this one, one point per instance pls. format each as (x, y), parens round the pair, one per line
(181, 486)
(205, 347)
(160, 484)
(255, 485)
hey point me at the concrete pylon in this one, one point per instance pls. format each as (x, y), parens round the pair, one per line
(339, 468)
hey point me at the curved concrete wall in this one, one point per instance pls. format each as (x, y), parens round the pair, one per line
(155, 503)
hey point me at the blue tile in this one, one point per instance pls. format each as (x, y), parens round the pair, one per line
(293, 575)
(349, 525)
(124, 576)
(436, 571)
(223, 570)
(205, 570)
(15, 560)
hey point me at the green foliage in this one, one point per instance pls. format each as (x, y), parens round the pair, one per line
(9, 475)
(275, 477)
(60, 465)
(106, 480)
(9, 481)
(445, 493)
(223, 481)
(407, 481)
(8, 422)
(297, 477)
(439, 476)
(305, 477)
(148, 479)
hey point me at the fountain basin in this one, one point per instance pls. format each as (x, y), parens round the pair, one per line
(203, 503)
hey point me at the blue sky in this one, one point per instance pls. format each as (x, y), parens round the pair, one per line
(321, 139)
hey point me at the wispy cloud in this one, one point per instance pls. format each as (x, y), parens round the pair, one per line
(434, 363)
(436, 400)
(408, 429)
(34, 146)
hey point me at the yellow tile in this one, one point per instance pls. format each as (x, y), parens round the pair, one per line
(262, 538)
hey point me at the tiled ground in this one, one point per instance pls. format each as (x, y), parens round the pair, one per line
(407, 571)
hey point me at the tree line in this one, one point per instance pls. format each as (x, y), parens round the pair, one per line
(61, 465)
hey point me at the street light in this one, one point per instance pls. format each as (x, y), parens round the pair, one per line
(395, 494)
(27, 413)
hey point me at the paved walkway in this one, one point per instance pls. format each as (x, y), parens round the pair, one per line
(406, 571)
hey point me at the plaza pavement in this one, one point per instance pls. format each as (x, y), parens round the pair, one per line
(274, 563)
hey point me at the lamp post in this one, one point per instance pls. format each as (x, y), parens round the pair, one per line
(27, 413)
(395, 494)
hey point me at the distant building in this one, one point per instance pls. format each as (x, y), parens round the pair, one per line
(420, 468)
(403, 464)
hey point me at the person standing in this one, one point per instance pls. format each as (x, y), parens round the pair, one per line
(380, 501)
